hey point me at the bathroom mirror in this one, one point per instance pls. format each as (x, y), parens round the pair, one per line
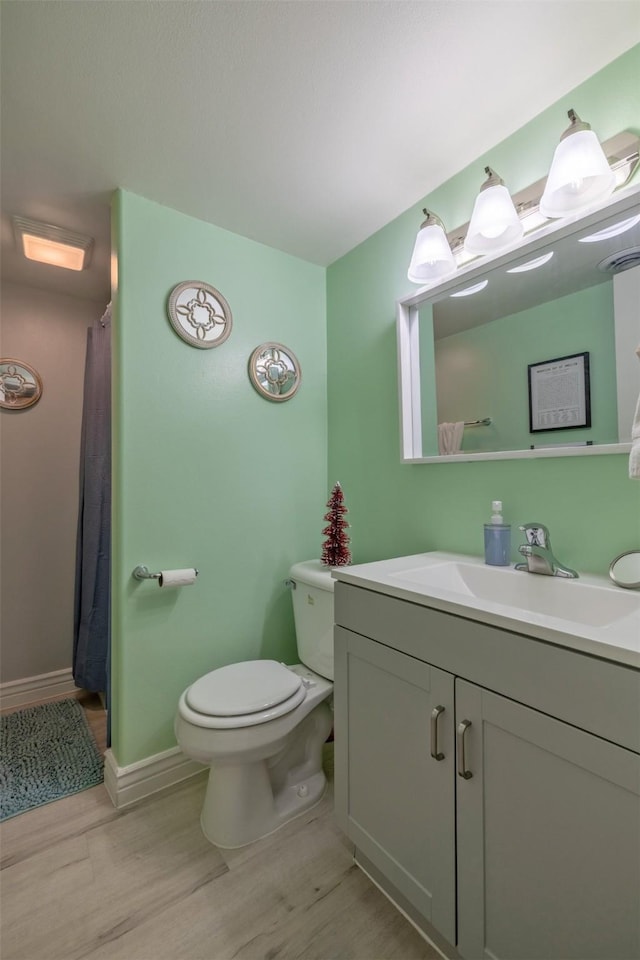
(274, 371)
(20, 385)
(467, 344)
(625, 570)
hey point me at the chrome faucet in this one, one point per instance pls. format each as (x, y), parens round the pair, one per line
(538, 554)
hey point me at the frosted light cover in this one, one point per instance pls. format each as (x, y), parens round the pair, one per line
(495, 223)
(432, 258)
(579, 176)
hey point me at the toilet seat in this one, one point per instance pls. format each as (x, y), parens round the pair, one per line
(243, 694)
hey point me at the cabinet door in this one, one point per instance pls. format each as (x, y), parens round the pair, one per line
(548, 837)
(393, 798)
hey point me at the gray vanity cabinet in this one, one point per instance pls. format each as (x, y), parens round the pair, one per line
(397, 801)
(548, 831)
(523, 841)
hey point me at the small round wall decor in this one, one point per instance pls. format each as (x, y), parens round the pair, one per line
(274, 371)
(20, 385)
(199, 314)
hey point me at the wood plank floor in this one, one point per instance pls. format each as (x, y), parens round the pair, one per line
(79, 879)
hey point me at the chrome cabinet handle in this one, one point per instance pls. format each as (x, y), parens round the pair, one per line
(435, 713)
(462, 766)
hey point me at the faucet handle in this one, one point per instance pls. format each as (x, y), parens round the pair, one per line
(537, 535)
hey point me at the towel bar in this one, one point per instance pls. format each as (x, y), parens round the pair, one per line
(477, 423)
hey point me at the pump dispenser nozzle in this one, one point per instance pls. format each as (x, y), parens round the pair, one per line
(496, 511)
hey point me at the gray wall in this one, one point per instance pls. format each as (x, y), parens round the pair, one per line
(39, 457)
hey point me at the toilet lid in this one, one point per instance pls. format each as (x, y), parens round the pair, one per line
(242, 688)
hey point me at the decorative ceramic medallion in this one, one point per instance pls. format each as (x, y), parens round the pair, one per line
(274, 371)
(199, 314)
(20, 385)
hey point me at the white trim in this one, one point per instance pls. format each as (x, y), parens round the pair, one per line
(537, 454)
(127, 785)
(408, 338)
(45, 686)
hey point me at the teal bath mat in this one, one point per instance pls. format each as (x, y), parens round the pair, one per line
(46, 752)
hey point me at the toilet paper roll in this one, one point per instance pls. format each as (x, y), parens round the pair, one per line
(177, 578)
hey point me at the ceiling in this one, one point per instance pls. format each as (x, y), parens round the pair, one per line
(303, 124)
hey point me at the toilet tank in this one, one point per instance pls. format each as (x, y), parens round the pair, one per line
(313, 614)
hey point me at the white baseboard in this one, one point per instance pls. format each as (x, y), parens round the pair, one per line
(31, 689)
(127, 785)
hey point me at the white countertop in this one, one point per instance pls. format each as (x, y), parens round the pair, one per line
(602, 624)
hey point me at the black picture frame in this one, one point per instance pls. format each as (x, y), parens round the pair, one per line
(560, 393)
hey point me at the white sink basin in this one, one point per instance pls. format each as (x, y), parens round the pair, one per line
(590, 613)
(575, 600)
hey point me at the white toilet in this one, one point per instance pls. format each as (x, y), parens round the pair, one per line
(261, 726)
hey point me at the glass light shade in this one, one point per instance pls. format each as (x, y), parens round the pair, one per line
(495, 223)
(580, 175)
(432, 258)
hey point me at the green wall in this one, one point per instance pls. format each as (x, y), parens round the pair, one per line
(589, 504)
(207, 473)
(485, 369)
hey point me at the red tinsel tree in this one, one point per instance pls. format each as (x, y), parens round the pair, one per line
(335, 549)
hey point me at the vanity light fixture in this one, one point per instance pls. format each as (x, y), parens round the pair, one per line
(495, 223)
(53, 245)
(580, 174)
(468, 291)
(613, 231)
(432, 258)
(532, 264)
(622, 153)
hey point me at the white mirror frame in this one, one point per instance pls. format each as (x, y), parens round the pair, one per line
(408, 339)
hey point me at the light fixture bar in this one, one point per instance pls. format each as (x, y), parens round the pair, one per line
(623, 153)
(46, 243)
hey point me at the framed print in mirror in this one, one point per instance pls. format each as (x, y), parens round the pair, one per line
(199, 314)
(274, 371)
(559, 394)
(20, 385)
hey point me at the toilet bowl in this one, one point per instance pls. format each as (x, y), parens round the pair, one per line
(260, 725)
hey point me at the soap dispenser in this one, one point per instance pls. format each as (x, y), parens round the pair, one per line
(497, 538)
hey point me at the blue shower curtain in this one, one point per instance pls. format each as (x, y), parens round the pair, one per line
(92, 621)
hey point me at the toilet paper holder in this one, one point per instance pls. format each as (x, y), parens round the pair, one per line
(142, 573)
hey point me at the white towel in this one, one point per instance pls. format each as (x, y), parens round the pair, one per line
(634, 456)
(450, 437)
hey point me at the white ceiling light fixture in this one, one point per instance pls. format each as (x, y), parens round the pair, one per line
(432, 258)
(46, 243)
(580, 173)
(494, 223)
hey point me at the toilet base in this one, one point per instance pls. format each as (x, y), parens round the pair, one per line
(247, 801)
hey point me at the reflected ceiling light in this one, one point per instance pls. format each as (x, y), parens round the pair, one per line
(53, 245)
(432, 258)
(613, 231)
(495, 223)
(476, 288)
(532, 264)
(580, 174)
